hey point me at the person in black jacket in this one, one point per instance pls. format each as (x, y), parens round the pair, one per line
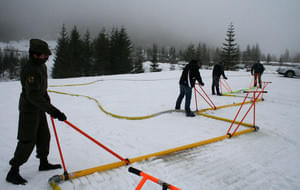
(257, 70)
(187, 81)
(218, 70)
(34, 101)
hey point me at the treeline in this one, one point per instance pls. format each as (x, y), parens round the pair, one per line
(112, 52)
(109, 53)
(10, 63)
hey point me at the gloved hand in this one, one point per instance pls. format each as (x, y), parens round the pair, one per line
(57, 114)
(61, 116)
(225, 78)
(202, 84)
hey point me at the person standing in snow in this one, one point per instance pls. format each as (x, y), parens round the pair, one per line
(218, 70)
(33, 103)
(187, 81)
(257, 70)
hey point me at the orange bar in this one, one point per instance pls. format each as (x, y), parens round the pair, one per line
(140, 185)
(158, 181)
(147, 176)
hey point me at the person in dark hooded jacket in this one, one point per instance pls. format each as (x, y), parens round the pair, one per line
(187, 81)
(34, 102)
(218, 70)
(257, 70)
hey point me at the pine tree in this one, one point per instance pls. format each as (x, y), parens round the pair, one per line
(190, 53)
(269, 59)
(251, 55)
(255, 53)
(61, 61)
(163, 55)
(13, 66)
(286, 56)
(1, 64)
(138, 60)
(172, 58)
(246, 56)
(154, 58)
(198, 52)
(154, 67)
(296, 58)
(87, 55)
(120, 52)
(101, 46)
(217, 56)
(76, 58)
(202, 53)
(229, 50)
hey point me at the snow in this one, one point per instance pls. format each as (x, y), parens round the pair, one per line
(266, 159)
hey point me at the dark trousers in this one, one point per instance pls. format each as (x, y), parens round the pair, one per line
(257, 78)
(187, 92)
(33, 131)
(215, 85)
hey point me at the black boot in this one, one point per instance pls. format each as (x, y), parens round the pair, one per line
(14, 177)
(45, 165)
(190, 114)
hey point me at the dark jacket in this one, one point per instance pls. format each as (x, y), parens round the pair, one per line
(218, 70)
(190, 74)
(257, 68)
(34, 96)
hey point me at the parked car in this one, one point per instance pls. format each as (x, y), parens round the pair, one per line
(289, 71)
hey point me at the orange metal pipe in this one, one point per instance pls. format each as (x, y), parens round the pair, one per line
(151, 178)
(96, 142)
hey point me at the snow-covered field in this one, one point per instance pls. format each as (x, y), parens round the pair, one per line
(267, 159)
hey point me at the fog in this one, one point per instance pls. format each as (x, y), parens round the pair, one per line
(273, 24)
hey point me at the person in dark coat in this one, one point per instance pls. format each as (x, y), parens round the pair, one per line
(218, 70)
(257, 70)
(34, 102)
(187, 81)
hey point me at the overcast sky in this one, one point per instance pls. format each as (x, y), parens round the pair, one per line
(274, 24)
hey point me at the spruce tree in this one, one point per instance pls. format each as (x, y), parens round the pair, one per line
(13, 66)
(87, 55)
(217, 56)
(246, 56)
(120, 52)
(61, 61)
(76, 58)
(205, 55)
(285, 57)
(1, 64)
(202, 53)
(172, 58)
(101, 65)
(138, 60)
(251, 55)
(190, 53)
(163, 55)
(154, 67)
(229, 50)
(154, 53)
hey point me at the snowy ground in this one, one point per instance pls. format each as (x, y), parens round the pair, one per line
(267, 159)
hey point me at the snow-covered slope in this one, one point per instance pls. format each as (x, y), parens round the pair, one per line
(267, 159)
